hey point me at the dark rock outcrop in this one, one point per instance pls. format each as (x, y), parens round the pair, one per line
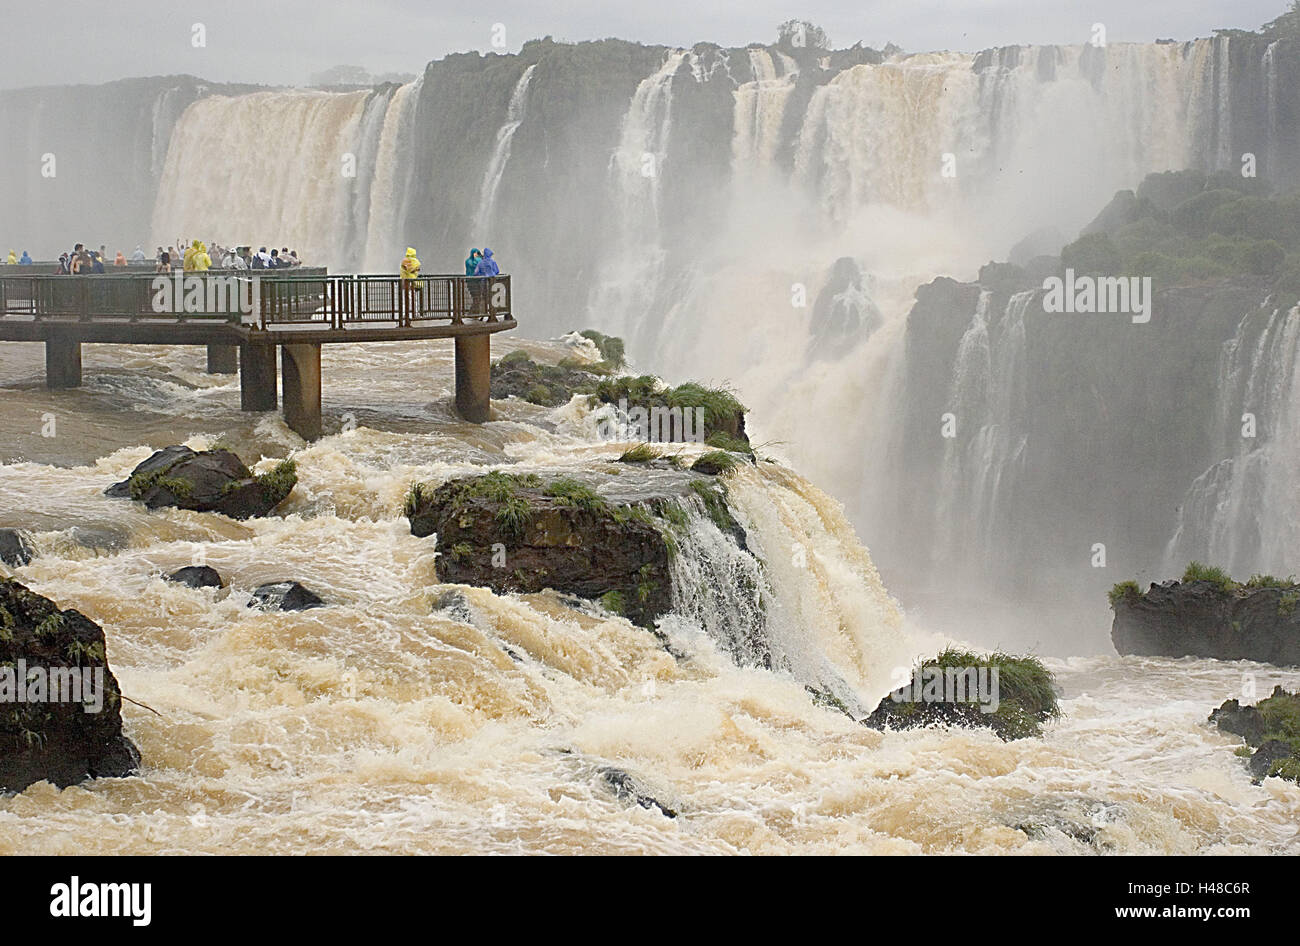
(60, 705)
(206, 481)
(523, 534)
(16, 548)
(1203, 619)
(197, 576)
(517, 375)
(627, 788)
(1271, 727)
(958, 688)
(285, 596)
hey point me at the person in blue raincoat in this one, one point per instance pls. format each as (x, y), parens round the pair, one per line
(25, 260)
(487, 266)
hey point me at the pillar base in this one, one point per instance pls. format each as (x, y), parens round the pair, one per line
(62, 362)
(300, 377)
(257, 377)
(223, 359)
(474, 377)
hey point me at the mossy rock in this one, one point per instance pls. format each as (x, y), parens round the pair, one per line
(959, 688)
(206, 481)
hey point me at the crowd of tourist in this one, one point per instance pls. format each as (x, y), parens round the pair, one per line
(196, 257)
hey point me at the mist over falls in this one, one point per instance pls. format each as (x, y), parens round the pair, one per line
(688, 200)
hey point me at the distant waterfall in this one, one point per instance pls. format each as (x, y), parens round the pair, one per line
(388, 190)
(980, 460)
(269, 168)
(487, 200)
(1243, 513)
(760, 108)
(635, 171)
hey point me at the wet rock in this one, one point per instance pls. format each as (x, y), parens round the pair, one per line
(627, 788)
(456, 605)
(1271, 727)
(206, 481)
(100, 538)
(957, 688)
(16, 549)
(522, 534)
(67, 725)
(1205, 619)
(197, 576)
(285, 596)
(1244, 721)
(1267, 755)
(517, 375)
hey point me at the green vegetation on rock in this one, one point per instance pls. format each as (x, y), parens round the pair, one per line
(1122, 590)
(1026, 696)
(1187, 228)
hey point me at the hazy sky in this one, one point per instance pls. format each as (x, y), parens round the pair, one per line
(285, 41)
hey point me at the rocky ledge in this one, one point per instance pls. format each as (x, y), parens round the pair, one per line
(650, 409)
(60, 705)
(1013, 696)
(528, 532)
(206, 481)
(1271, 729)
(1207, 614)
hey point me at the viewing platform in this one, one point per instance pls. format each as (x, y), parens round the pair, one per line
(242, 317)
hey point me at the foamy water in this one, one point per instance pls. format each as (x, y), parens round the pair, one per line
(383, 724)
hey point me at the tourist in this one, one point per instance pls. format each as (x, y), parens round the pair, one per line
(97, 264)
(200, 262)
(120, 259)
(13, 258)
(275, 260)
(25, 260)
(138, 255)
(487, 266)
(471, 261)
(410, 272)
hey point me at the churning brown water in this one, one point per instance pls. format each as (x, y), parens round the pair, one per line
(381, 724)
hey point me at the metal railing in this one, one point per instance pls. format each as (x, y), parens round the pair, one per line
(264, 301)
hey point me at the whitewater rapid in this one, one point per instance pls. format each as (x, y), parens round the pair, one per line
(383, 724)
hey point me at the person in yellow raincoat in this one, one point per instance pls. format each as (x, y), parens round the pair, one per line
(410, 278)
(187, 261)
(13, 258)
(200, 262)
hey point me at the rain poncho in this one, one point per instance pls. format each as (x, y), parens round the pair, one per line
(471, 261)
(487, 266)
(410, 265)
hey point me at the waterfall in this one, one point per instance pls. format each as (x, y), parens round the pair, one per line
(803, 598)
(635, 170)
(267, 168)
(987, 401)
(487, 200)
(388, 191)
(760, 109)
(1242, 513)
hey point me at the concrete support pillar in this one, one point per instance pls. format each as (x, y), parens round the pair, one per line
(257, 377)
(474, 377)
(300, 377)
(62, 362)
(223, 359)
